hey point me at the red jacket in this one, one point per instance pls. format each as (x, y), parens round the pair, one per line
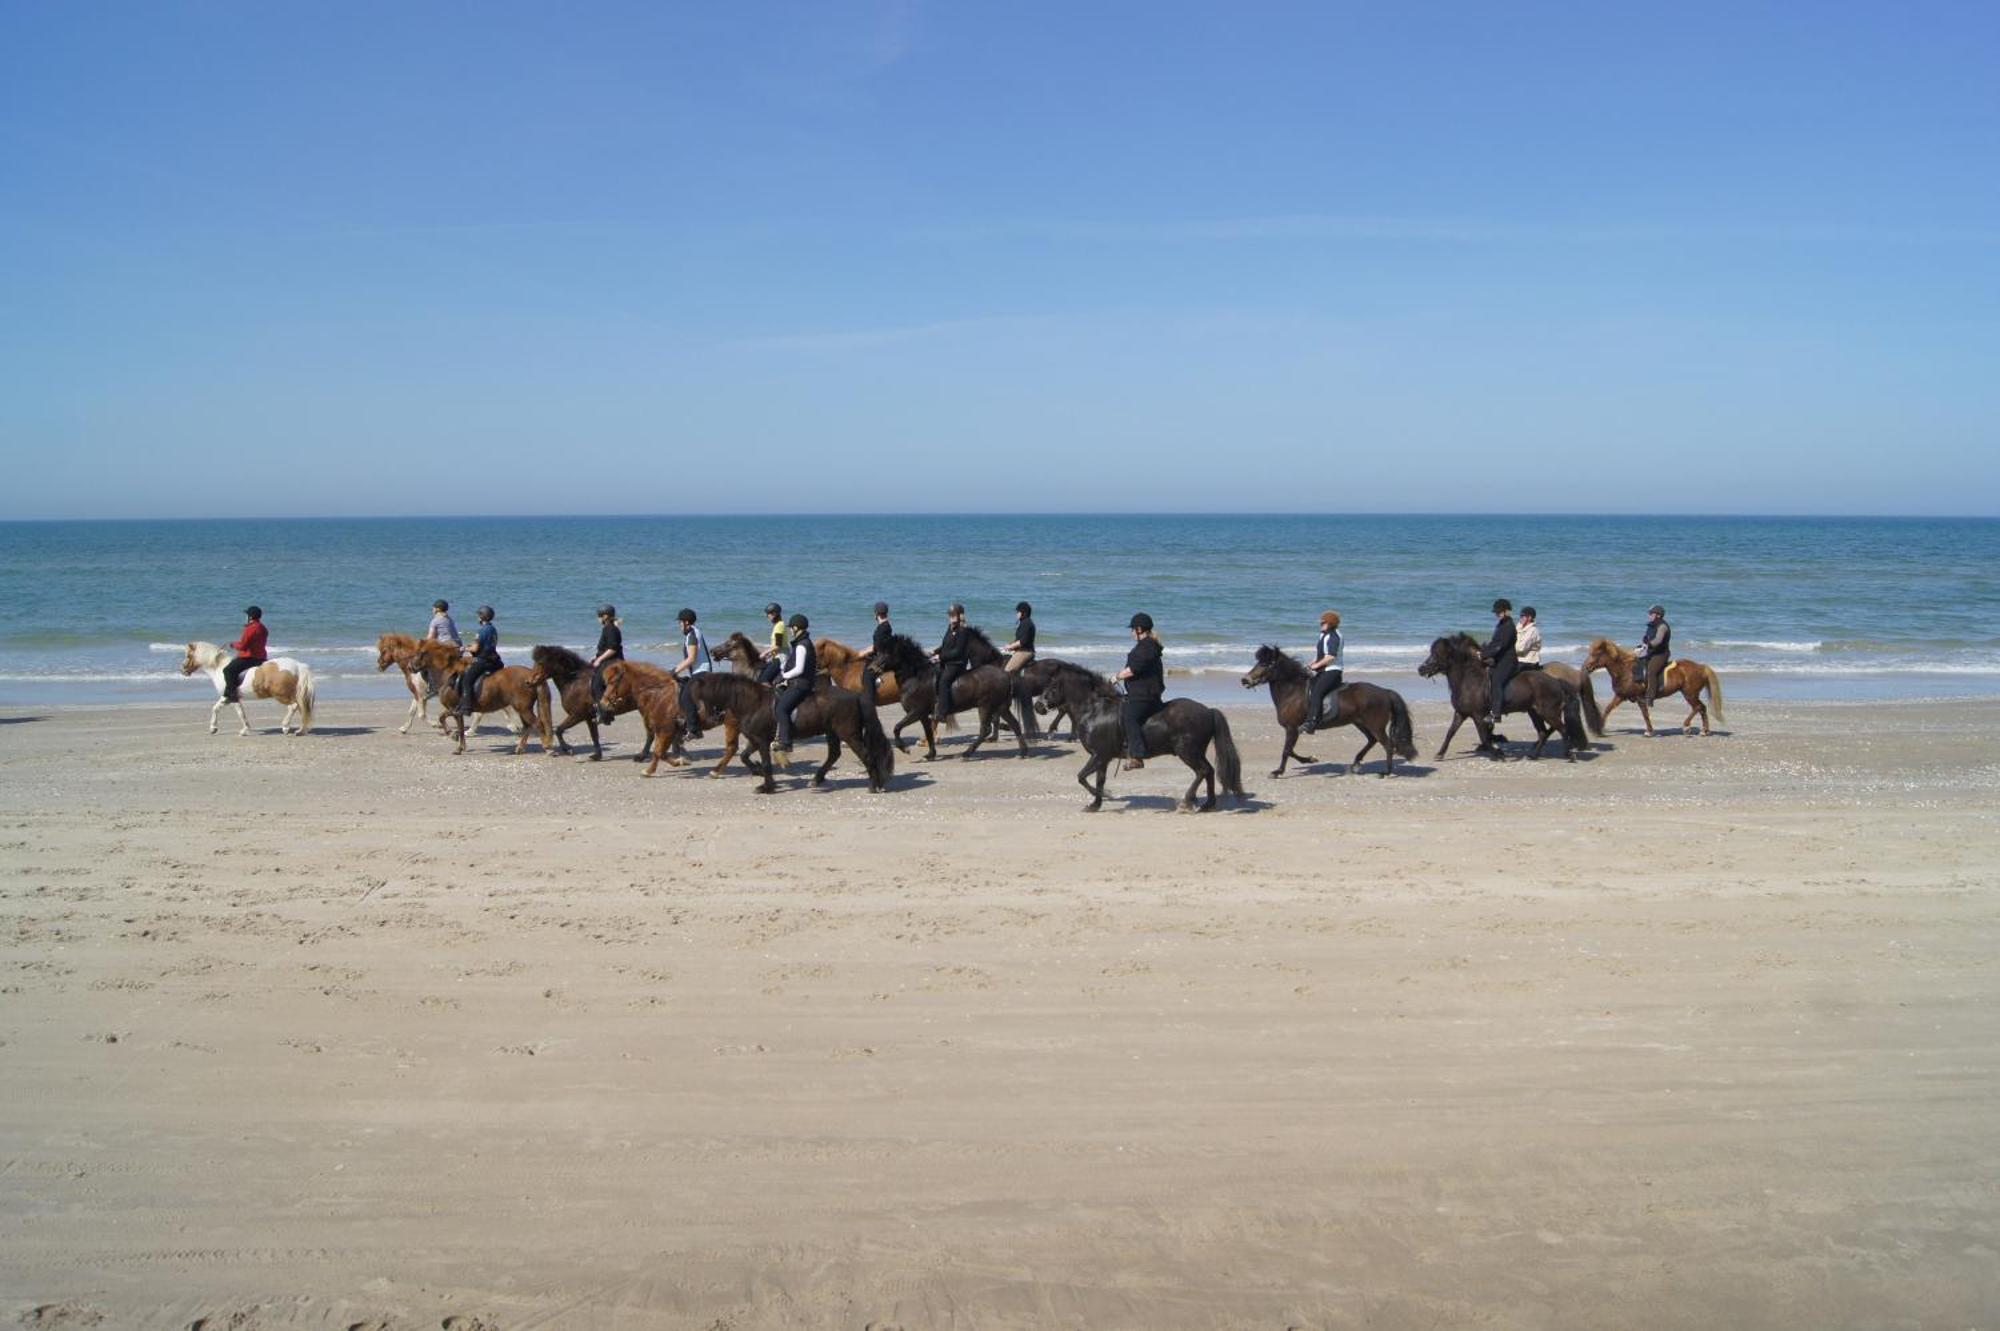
(251, 644)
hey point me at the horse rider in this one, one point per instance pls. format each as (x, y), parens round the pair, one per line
(951, 658)
(1527, 641)
(1654, 648)
(774, 655)
(442, 628)
(1022, 650)
(1327, 665)
(695, 660)
(249, 648)
(1500, 658)
(485, 660)
(1145, 679)
(796, 673)
(878, 646)
(610, 647)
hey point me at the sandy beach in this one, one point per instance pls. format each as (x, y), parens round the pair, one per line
(344, 1032)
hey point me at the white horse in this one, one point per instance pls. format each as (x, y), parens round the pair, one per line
(282, 678)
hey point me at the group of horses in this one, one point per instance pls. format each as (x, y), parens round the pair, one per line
(1558, 700)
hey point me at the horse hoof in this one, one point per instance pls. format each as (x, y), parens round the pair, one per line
(1277, 771)
(595, 758)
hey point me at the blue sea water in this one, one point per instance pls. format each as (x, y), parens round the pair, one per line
(1782, 607)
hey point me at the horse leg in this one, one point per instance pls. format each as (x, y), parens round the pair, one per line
(1457, 720)
(1542, 730)
(730, 733)
(243, 717)
(763, 751)
(909, 718)
(459, 721)
(1098, 767)
(1285, 754)
(1616, 698)
(1645, 712)
(832, 757)
(1694, 709)
(986, 728)
(1355, 765)
(1020, 735)
(930, 737)
(1197, 762)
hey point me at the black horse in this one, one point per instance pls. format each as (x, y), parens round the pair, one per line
(1184, 728)
(842, 716)
(987, 688)
(1379, 713)
(1032, 681)
(1551, 704)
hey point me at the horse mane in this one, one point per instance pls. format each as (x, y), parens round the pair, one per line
(395, 642)
(432, 654)
(1057, 669)
(1609, 648)
(1284, 668)
(562, 664)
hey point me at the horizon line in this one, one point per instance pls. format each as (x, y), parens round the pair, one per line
(1006, 513)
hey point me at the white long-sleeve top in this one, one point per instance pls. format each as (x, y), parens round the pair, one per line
(1528, 643)
(797, 657)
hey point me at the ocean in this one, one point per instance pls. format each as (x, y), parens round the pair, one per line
(1838, 608)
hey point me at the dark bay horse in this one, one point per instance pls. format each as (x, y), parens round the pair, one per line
(841, 715)
(1685, 677)
(1185, 728)
(1551, 704)
(987, 688)
(1034, 679)
(507, 689)
(1378, 713)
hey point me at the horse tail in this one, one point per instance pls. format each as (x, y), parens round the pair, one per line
(1402, 735)
(1592, 717)
(1573, 733)
(1228, 763)
(1024, 706)
(877, 753)
(1714, 682)
(307, 691)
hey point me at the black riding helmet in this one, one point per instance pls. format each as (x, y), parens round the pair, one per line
(882, 609)
(773, 609)
(486, 612)
(685, 616)
(607, 611)
(440, 604)
(955, 608)
(254, 611)
(798, 621)
(1023, 608)
(1142, 620)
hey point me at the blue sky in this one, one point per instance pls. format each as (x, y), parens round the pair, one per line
(416, 258)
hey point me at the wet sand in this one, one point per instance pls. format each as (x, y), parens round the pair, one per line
(343, 1031)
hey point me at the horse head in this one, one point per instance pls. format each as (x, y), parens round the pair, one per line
(1602, 654)
(1446, 652)
(740, 652)
(190, 663)
(617, 683)
(903, 657)
(1267, 662)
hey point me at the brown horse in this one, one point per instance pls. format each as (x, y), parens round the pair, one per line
(508, 689)
(842, 716)
(1551, 705)
(843, 665)
(1379, 714)
(655, 695)
(400, 650)
(987, 688)
(1685, 677)
(570, 675)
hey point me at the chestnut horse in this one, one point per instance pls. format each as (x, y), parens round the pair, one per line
(1379, 714)
(289, 682)
(655, 695)
(1685, 677)
(843, 665)
(843, 716)
(508, 689)
(569, 674)
(400, 650)
(1551, 704)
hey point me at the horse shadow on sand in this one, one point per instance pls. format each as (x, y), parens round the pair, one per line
(1331, 767)
(20, 720)
(1116, 803)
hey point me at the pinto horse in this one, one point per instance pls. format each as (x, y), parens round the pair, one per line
(987, 688)
(400, 650)
(1184, 728)
(508, 689)
(289, 682)
(1685, 677)
(1551, 704)
(1378, 713)
(843, 716)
